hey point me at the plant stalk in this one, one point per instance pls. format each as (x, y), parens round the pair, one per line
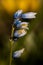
(11, 46)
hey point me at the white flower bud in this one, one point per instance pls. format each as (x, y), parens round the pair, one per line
(18, 53)
(29, 15)
(24, 25)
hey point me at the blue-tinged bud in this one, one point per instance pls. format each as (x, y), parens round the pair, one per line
(18, 14)
(16, 22)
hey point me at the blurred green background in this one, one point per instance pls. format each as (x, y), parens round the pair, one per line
(32, 42)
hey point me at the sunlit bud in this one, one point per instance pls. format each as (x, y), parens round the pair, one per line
(24, 25)
(18, 53)
(29, 15)
(18, 14)
(20, 33)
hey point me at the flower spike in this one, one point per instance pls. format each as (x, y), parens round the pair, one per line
(21, 27)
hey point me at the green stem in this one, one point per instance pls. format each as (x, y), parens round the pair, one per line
(11, 46)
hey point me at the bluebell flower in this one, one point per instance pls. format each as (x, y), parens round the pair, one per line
(24, 25)
(18, 14)
(18, 53)
(17, 23)
(20, 24)
(29, 15)
(20, 33)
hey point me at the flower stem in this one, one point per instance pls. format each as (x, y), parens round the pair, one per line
(11, 45)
